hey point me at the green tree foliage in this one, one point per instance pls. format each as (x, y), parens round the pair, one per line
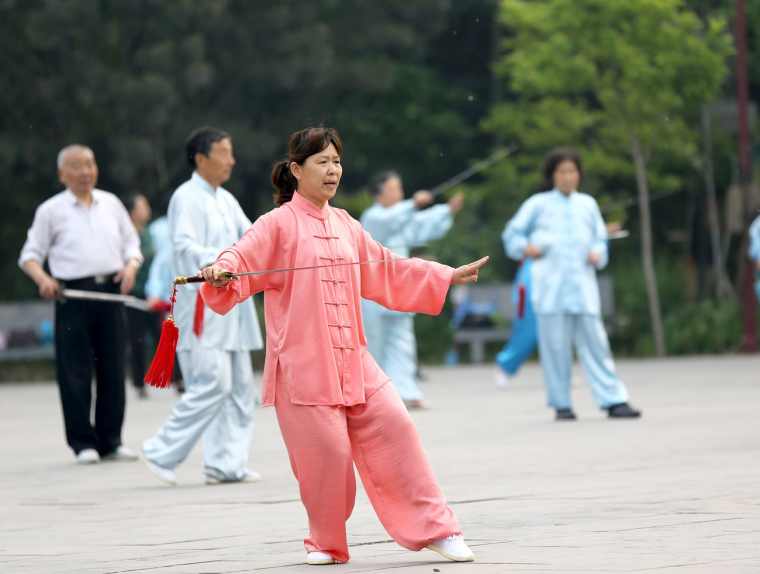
(621, 80)
(131, 78)
(409, 85)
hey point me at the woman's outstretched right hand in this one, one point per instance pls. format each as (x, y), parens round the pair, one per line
(468, 273)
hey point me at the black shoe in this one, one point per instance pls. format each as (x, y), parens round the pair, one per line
(565, 415)
(623, 411)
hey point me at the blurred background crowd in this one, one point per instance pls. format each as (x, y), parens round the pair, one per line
(657, 96)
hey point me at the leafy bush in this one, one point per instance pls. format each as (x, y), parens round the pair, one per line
(704, 327)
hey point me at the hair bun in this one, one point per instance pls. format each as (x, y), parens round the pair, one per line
(283, 181)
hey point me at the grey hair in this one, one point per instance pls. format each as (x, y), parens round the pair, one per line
(378, 181)
(71, 148)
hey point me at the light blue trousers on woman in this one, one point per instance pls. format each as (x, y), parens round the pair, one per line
(557, 335)
(218, 406)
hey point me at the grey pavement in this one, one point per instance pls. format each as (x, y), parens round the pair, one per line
(678, 491)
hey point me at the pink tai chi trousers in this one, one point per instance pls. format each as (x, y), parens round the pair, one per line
(324, 443)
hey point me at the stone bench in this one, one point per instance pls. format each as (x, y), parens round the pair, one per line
(26, 317)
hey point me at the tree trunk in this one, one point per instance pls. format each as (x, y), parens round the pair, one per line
(647, 258)
(722, 285)
(749, 303)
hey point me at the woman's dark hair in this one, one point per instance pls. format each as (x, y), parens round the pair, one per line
(301, 145)
(379, 179)
(556, 157)
(201, 140)
(132, 199)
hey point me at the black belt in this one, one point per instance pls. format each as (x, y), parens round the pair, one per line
(93, 282)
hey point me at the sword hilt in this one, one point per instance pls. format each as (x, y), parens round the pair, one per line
(183, 280)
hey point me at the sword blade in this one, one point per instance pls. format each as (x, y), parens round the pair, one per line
(84, 295)
(477, 167)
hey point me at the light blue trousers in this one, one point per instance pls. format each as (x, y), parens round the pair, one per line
(557, 334)
(218, 406)
(390, 338)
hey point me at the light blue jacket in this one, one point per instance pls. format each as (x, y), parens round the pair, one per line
(754, 250)
(161, 273)
(402, 226)
(566, 229)
(754, 240)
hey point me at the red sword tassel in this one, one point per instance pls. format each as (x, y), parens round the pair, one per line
(162, 366)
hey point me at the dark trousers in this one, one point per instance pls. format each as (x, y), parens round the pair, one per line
(90, 336)
(143, 328)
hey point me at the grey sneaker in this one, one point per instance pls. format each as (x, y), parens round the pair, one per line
(250, 476)
(122, 454)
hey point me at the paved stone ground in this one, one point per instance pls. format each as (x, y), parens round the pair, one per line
(678, 491)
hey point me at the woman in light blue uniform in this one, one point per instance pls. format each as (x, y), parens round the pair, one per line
(563, 232)
(401, 225)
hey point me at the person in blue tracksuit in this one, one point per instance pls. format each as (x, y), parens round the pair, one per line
(524, 338)
(400, 225)
(562, 230)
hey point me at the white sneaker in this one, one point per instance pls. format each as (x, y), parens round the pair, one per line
(453, 548)
(502, 379)
(317, 558)
(167, 475)
(250, 476)
(122, 454)
(88, 456)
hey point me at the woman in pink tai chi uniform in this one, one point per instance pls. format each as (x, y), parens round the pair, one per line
(334, 405)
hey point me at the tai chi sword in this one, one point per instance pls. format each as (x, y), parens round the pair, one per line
(474, 169)
(161, 367)
(182, 280)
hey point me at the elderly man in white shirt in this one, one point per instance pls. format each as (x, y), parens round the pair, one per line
(89, 242)
(214, 350)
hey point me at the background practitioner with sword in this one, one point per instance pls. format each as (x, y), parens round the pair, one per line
(402, 225)
(90, 245)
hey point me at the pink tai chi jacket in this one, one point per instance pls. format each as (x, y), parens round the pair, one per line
(315, 341)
